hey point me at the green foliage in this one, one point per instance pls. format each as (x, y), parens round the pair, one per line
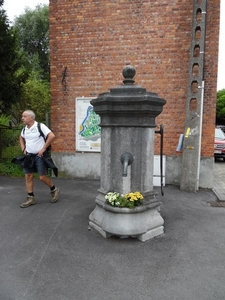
(9, 169)
(10, 61)
(9, 148)
(36, 96)
(24, 78)
(220, 104)
(9, 137)
(33, 31)
(24, 63)
(9, 140)
(5, 120)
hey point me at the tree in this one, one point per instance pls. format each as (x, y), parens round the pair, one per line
(220, 104)
(24, 63)
(33, 31)
(36, 96)
(9, 63)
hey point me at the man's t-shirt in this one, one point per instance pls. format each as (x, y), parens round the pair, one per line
(34, 141)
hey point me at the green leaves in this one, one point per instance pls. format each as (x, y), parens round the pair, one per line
(9, 82)
(36, 95)
(33, 34)
(220, 104)
(24, 63)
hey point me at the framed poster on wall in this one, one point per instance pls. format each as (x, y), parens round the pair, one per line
(88, 131)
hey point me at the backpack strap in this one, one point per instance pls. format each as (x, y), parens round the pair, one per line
(40, 131)
(42, 134)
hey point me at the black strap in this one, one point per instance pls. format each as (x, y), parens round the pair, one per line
(39, 129)
(41, 133)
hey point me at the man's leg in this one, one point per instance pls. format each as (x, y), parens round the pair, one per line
(45, 179)
(54, 190)
(41, 170)
(29, 179)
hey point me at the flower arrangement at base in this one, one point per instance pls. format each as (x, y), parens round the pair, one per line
(129, 200)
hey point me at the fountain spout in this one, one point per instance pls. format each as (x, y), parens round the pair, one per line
(126, 160)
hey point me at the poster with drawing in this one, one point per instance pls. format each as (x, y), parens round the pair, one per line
(88, 131)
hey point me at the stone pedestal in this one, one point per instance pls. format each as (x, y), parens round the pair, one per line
(127, 126)
(142, 222)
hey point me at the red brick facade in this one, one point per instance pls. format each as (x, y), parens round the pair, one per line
(92, 40)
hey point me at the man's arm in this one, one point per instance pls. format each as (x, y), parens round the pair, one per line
(22, 144)
(49, 140)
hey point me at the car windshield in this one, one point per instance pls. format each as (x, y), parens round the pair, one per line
(219, 134)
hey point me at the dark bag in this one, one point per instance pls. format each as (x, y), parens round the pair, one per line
(18, 160)
(25, 161)
(50, 163)
(29, 161)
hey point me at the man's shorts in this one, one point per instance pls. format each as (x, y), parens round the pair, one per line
(39, 167)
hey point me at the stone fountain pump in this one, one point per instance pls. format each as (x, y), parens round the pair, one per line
(127, 116)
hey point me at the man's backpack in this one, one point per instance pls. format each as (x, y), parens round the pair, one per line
(41, 134)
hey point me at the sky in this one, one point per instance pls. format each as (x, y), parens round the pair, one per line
(16, 7)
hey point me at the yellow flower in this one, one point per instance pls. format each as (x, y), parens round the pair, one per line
(129, 200)
(134, 196)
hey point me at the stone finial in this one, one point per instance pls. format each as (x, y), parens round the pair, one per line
(128, 73)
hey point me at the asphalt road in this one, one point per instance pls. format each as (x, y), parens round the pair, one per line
(48, 253)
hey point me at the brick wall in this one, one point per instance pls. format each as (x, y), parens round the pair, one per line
(91, 41)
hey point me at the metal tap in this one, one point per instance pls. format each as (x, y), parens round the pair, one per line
(126, 159)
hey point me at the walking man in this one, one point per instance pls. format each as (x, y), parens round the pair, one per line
(32, 143)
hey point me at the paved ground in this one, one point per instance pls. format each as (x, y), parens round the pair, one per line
(48, 253)
(219, 179)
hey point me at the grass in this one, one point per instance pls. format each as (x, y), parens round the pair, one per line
(9, 169)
